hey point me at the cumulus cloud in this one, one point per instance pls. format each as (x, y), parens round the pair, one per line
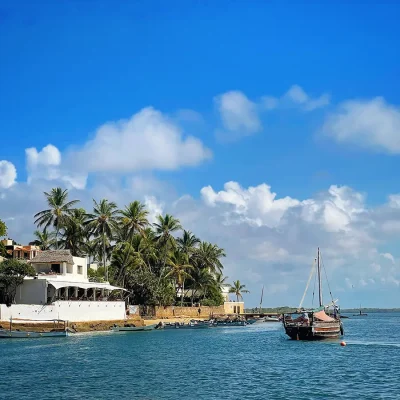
(372, 124)
(148, 140)
(46, 165)
(8, 174)
(239, 115)
(295, 96)
(298, 96)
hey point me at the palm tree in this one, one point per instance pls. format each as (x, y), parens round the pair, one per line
(59, 210)
(75, 233)
(208, 256)
(188, 242)
(102, 224)
(134, 218)
(238, 289)
(164, 228)
(44, 239)
(179, 264)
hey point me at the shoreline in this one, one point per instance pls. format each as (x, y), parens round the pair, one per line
(90, 326)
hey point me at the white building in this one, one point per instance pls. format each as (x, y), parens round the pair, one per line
(61, 290)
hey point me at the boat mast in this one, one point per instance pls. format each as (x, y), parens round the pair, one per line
(262, 294)
(319, 279)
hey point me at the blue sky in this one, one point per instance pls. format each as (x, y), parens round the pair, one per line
(68, 68)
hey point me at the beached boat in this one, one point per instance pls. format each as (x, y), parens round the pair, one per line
(314, 324)
(133, 328)
(18, 334)
(190, 325)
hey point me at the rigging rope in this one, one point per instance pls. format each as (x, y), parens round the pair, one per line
(315, 284)
(308, 284)
(326, 276)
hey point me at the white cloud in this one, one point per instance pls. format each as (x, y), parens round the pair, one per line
(49, 155)
(389, 257)
(46, 165)
(297, 95)
(372, 124)
(239, 115)
(148, 140)
(8, 174)
(154, 207)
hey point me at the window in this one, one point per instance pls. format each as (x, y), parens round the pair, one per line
(80, 269)
(56, 268)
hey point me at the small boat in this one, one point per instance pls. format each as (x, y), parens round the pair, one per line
(230, 323)
(189, 325)
(314, 324)
(271, 319)
(361, 314)
(18, 334)
(251, 321)
(133, 328)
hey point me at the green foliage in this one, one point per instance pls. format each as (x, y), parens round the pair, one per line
(152, 261)
(12, 274)
(238, 289)
(96, 275)
(3, 251)
(3, 229)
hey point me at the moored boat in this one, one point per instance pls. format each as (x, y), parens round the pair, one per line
(18, 334)
(314, 324)
(133, 328)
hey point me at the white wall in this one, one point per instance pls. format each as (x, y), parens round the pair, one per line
(32, 291)
(73, 311)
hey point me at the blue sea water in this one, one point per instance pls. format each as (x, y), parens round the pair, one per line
(254, 362)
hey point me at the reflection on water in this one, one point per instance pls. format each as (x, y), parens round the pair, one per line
(255, 362)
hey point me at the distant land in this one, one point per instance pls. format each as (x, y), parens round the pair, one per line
(287, 309)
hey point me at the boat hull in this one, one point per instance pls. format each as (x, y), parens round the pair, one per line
(317, 331)
(4, 334)
(133, 328)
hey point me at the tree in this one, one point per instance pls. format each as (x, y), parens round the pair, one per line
(188, 243)
(164, 228)
(134, 218)
(208, 256)
(102, 224)
(59, 210)
(179, 265)
(3, 229)
(75, 233)
(44, 239)
(238, 289)
(12, 274)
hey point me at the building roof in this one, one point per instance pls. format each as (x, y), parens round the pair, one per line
(53, 256)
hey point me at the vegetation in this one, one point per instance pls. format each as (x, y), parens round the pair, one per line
(12, 274)
(160, 263)
(3, 229)
(238, 289)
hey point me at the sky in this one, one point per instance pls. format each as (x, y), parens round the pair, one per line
(267, 127)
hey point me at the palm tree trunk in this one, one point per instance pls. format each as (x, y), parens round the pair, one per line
(183, 292)
(104, 257)
(57, 231)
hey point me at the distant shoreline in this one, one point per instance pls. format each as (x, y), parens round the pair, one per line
(343, 310)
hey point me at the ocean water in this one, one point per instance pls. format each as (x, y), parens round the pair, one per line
(254, 362)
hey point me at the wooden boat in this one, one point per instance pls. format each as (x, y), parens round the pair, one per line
(314, 324)
(18, 334)
(133, 328)
(361, 314)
